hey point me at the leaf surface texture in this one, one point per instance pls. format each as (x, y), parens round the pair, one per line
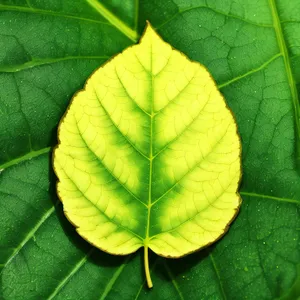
(252, 50)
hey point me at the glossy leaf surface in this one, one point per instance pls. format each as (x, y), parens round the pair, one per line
(49, 48)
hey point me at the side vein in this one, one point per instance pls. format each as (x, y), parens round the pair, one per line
(114, 20)
(190, 170)
(30, 234)
(217, 12)
(25, 157)
(45, 61)
(128, 95)
(283, 49)
(173, 280)
(263, 66)
(47, 12)
(108, 170)
(250, 194)
(177, 96)
(74, 270)
(114, 278)
(218, 275)
(187, 127)
(116, 126)
(187, 220)
(103, 213)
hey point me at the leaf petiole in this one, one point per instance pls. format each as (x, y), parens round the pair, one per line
(147, 271)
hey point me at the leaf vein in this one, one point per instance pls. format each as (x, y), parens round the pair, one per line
(182, 11)
(30, 234)
(177, 96)
(174, 282)
(183, 131)
(288, 200)
(114, 278)
(48, 12)
(129, 96)
(27, 156)
(263, 66)
(108, 218)
(107, 169)
(118, 129)
(45, 61)
(218, 275)
(190, 170)
(74, 270)
(283, 49)
(113, 19)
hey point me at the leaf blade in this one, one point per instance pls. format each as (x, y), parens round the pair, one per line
(157, 78)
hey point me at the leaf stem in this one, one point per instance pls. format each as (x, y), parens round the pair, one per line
(147, 271)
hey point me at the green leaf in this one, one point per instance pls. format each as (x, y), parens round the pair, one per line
(49, 48)
(149, 155)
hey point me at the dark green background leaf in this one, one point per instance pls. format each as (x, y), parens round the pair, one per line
(47, 50)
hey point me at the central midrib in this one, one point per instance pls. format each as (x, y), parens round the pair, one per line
(146, 241)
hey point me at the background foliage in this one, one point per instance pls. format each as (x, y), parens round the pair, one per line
(47, 50)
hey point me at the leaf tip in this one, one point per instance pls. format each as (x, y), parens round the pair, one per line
(149, 29)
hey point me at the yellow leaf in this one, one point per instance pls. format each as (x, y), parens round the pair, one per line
(149, 155)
